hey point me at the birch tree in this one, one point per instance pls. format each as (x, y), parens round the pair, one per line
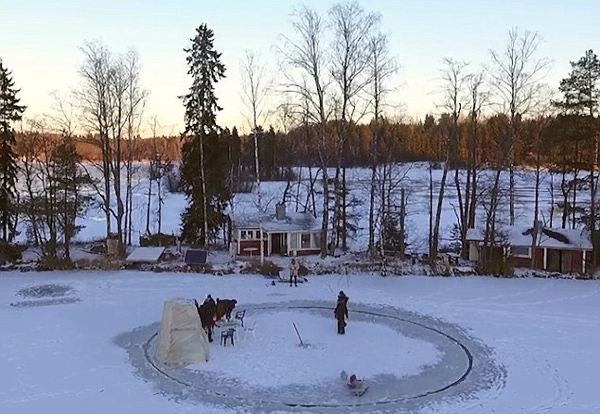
(352, 28)
(382, 67)
(454, 79)
(254, 95)
(517, 74)
(306, 56)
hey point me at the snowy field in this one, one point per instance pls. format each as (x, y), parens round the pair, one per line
(72, 347)
(415, 179)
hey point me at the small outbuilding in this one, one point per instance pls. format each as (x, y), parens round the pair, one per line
(145, 255)
(284, 233)
(554, 250)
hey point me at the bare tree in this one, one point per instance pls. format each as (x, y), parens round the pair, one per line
(136, 102)
(382, 67)
(307, 56)
(467, 198)
(454, 80)
(111, 99)
(254, 96)
(350, 52)
(517, 75)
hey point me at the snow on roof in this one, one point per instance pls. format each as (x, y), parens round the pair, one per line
(294, 221)
(145, 255)
(550, 238)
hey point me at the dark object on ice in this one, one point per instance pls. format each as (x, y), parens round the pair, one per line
(224, 308)
(239, 315)
(228, 334)
(341, 312)
(298, 333)
(195, 257)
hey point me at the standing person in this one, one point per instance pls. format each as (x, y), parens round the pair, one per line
(341, 312)
(294, 269)
(206, 319)
(212, 306)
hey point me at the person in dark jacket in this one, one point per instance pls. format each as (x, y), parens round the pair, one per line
(212, 305)
(341, 312)
(206, 318)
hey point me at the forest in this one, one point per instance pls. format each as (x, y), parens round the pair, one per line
(332, 107)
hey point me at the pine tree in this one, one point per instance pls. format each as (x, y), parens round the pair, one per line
(581, 103)
(10, 111)
(69, 180)
(204, 152)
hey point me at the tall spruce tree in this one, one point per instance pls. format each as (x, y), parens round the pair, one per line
(10, 111)
(204, 151)
(581, 103)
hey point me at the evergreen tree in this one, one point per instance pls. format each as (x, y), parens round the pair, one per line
(10, 111)
(581, 89)
(580, 105)
(69, 180)
(204, 152)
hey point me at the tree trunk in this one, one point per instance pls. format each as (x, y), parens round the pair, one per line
(438, 214)
(149, 204)
(204, 235)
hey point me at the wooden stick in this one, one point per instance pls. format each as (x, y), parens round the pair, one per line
(298, 333)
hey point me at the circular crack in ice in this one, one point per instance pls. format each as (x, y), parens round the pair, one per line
(464, 368)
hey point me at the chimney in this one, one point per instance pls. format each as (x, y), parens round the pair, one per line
(280, 211)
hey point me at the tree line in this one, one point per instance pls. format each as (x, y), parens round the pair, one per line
(331, 108)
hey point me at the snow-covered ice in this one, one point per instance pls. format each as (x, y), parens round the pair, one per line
(274, 358)
(67, 358)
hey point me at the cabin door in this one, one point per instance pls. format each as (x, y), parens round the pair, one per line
(279, 243)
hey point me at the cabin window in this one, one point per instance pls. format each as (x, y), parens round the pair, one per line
(305, 240)
(316, 240)
(520, 251)
(293, 241)
(251, 235)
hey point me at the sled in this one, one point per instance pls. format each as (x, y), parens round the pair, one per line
(358, 388)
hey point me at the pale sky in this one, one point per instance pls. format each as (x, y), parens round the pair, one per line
(39, 41)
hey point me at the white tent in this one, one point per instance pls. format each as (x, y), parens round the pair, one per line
(181, 339)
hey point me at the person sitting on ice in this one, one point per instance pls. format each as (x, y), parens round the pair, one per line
(353, 382)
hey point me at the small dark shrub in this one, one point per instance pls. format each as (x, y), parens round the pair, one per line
(158, 240)
(45, 264)
(268, 268)
(10, 253)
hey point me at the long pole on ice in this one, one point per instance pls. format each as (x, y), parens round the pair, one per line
(298, 333)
